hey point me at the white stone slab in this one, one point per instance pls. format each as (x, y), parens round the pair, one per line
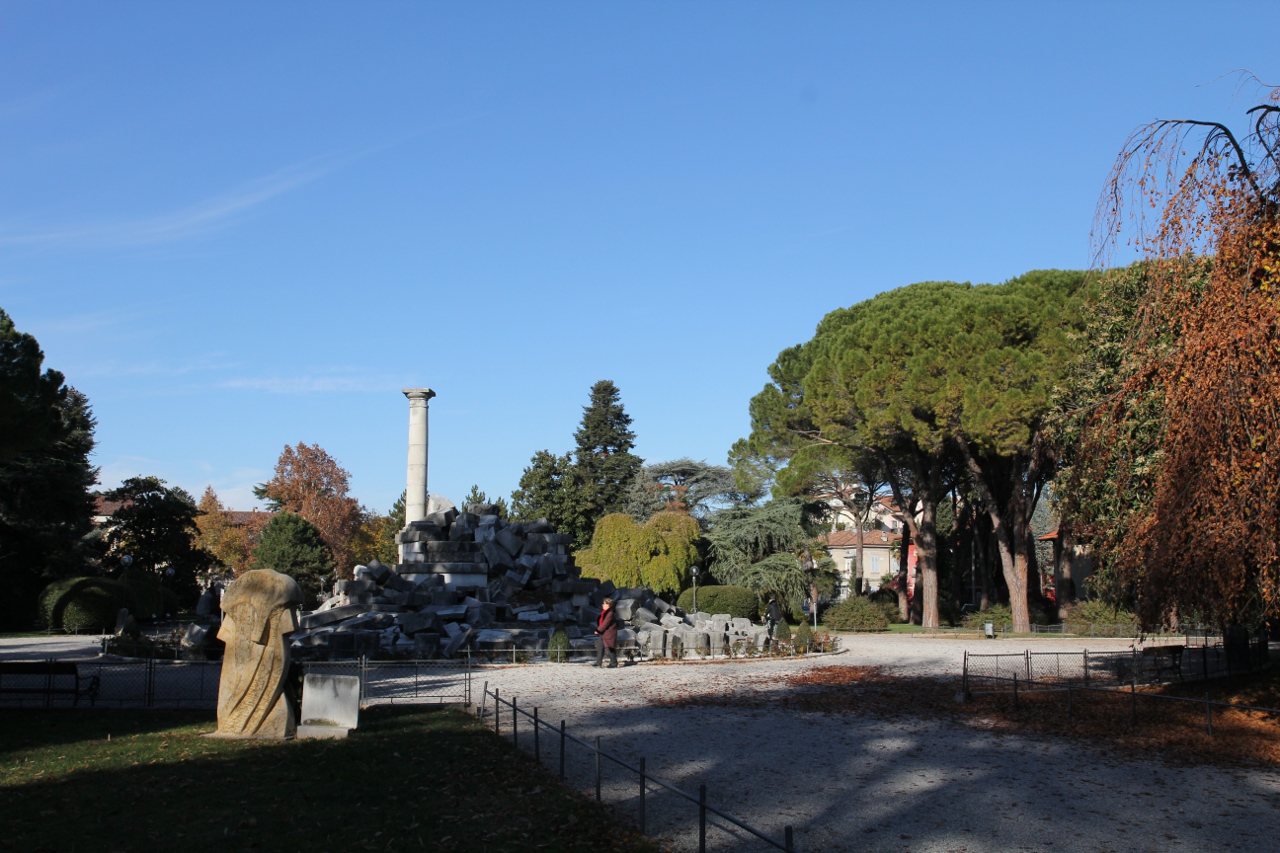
(333, 732)
(331, 700)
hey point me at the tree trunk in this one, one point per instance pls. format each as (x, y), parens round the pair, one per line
(1009, 526)
(904, 604)
(927, 476)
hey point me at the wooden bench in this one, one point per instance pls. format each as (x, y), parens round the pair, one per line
(48, 678)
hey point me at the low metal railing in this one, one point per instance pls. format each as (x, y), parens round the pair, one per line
(643, 777)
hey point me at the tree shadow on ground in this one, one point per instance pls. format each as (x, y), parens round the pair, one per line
(409, 778)
(857, 760)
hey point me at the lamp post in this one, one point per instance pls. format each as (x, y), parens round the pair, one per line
(694, 571)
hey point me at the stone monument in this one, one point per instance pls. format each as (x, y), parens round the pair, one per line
(259, 614)
(415, 495)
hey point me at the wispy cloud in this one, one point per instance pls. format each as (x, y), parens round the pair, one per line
(312, 384)
(185, 223)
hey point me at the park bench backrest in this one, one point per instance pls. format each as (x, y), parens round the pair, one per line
(38, 667)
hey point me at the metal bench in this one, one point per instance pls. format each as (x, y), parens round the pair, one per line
(1158, 660)
(49, 679)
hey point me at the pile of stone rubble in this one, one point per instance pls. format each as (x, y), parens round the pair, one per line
(471, 582)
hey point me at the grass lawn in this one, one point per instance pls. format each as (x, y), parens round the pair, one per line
(408, 779)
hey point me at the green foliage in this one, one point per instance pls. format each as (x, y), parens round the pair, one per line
(82, 604)
(478, 496)
(546, 490)
(782, 633)
(46, 509)
(763, 548)
(680, 486)
(156, 525)
(657, 554)
(858, 613)
(804, 637)
(1000, 614)
(1096, 612)
(558, 647)
(575, 491)
(144, 596)
(738, 601)
(291, 545)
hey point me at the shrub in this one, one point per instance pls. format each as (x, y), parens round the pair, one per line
(782, 633)
(826, 641)
(888, 601)
(558, 647)
(82, 604)
(858, 614)
(804, 638)
(738, 601)
(1000, 614)
(1082, 615)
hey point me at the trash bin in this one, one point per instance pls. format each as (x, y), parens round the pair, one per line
(989, 628)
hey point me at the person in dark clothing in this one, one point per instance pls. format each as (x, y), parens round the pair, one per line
(607, 629)
(773, 616)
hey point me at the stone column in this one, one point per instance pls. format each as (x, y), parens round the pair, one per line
(415, 498)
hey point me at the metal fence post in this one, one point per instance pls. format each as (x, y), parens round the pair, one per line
(562, 750)
(1133, 699)
(1068, 701)
(515, 724)
(642, 787)
(484, 700)
(1015, 690)
(597, 768)
(497, 714)
(964, 678)
(786, 838)
(537, 746)
(1086, 667)
(702, 819)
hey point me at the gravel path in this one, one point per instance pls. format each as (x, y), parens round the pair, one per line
(858, 783)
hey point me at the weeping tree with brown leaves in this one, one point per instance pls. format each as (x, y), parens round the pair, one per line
(1175, 476)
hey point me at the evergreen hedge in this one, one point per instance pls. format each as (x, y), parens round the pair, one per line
(804, 638)
(857, 613)
(558, 647)
(82, 604)
(738, 601)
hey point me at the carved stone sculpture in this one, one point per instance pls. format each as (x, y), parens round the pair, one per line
(259, 614)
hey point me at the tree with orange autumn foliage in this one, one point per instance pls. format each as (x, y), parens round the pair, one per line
(310, 483)
(1174, 477)
(229, 536)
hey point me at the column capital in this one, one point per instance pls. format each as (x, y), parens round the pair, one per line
(415, 394)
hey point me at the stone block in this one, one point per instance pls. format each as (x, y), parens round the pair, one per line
(456, 643)
(668, 620)
(644, 614)
(465, 580)
(496, 555)
(330, 617)
(532, 616)
(741, 624)
(309, 732)
(452, 613)
(413, 623)
(426, 645)
(442, 519)
(398, 583)
(509, 541)
(368, 643)
(624, 608)
(539, 526)
(331, 700)
(353, 586)
(660, 607)
(341, 646)
(379, 572)
(534, 547)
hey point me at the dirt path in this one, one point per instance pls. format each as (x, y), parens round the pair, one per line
(883, 782)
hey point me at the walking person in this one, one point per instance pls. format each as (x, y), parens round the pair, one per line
(772, 617)
(607, 631)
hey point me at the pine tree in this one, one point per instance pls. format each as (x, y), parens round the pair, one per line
(604, 466)
(293, 546)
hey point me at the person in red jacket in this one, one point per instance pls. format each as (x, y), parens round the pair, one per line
(607, 629)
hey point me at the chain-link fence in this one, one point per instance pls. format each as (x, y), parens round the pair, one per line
(119, 683)
(1195, 658)
(419, 682)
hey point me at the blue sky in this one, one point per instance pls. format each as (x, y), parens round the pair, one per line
(237, 226)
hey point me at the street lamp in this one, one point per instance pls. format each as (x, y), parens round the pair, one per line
(694, 571)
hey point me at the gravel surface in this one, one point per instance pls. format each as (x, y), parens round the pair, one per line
(849, 782)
